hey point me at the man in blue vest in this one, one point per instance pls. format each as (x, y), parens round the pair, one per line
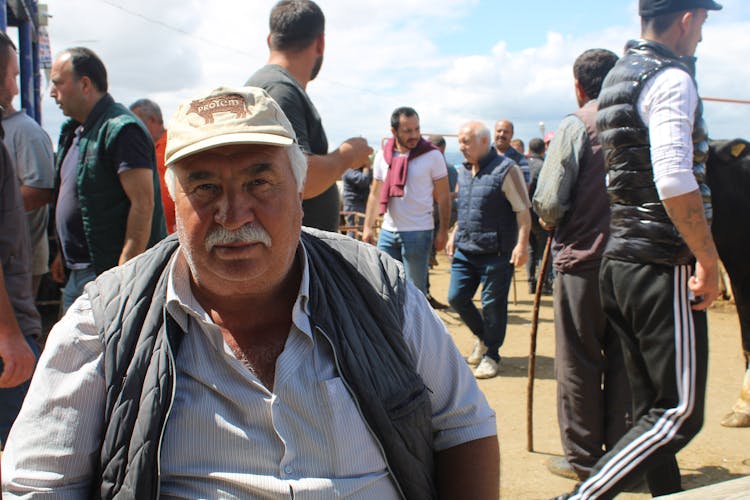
(247, 358)
(659, 271)
(490, 237)
(108, 206)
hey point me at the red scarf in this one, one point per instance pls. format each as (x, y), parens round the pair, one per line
(395, 179)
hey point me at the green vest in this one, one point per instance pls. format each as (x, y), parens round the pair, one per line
(104, 204)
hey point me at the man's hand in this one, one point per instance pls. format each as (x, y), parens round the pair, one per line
(687, 214)
(18, 360)
(520, 255)
(324, 170)
(371, 212)
(441, 239)
(368, 235)
(704, 284)
(56, 269)
(545, 226)
(356, 152)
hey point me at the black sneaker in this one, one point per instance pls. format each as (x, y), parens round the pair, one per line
(435, 304)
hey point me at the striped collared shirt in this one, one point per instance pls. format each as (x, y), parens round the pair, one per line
(227, 435)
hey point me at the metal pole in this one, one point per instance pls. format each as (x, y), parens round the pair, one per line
(26, 64)
(35, 68)
(4, 15)
(722, 99)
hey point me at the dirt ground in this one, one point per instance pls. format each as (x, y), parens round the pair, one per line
(716, 454)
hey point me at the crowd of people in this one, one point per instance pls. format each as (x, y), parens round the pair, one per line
(257, 352)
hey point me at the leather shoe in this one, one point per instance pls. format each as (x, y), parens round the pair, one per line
(559, 466)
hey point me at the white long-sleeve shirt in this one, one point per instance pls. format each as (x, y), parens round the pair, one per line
(667, 105)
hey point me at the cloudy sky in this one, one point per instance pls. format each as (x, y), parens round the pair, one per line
(452, 60)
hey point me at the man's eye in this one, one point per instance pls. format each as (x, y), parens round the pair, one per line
(207, 188)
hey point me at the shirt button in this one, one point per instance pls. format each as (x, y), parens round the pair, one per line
(288, 469)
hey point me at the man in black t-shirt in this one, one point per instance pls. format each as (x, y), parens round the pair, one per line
(296, 45)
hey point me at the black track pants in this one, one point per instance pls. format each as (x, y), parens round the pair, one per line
(665, 346)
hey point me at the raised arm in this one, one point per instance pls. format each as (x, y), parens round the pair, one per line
(324, 170)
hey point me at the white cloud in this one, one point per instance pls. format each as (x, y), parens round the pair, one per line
(375, 61)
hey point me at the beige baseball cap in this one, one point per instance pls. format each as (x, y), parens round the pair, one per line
(226, 116)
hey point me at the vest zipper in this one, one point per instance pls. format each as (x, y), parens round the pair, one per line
(359, 409)
(173, 372)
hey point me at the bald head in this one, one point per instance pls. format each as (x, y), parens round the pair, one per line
(503, 135)
(474, 141)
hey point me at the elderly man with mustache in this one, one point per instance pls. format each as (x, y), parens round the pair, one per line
(247, 357)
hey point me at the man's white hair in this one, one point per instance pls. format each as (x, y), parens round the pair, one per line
(478, 130)
(483, 133)
(296, 158)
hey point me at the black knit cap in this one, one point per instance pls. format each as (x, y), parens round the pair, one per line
(651, 8)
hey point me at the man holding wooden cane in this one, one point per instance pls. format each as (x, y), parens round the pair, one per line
(592, 389)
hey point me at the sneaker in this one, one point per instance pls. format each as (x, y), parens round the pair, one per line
(559, 466)
(477, 353)
(438, 306)
(487, 368)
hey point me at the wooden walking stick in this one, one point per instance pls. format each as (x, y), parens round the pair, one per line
(532, 352)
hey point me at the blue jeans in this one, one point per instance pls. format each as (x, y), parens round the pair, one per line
(495, 273)
(74, 287)
(413, 249)
(11, 400)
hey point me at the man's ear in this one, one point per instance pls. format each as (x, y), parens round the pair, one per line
(581, 95)
(685, 20)
(87, 86)
(320, 44)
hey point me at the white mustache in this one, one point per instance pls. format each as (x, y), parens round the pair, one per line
(249, 233)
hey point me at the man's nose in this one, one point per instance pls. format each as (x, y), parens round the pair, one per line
(235, 209)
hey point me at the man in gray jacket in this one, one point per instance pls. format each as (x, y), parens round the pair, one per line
(593, 397)
(248, 357)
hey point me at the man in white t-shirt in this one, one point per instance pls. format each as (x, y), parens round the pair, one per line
(408, 174)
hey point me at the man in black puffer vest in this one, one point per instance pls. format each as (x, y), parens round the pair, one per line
(660, 267)
(248, 358)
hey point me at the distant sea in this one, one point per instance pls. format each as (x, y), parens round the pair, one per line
(455, 158)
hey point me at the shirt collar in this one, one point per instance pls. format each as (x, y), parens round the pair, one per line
(102, 104)
(484, 160)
